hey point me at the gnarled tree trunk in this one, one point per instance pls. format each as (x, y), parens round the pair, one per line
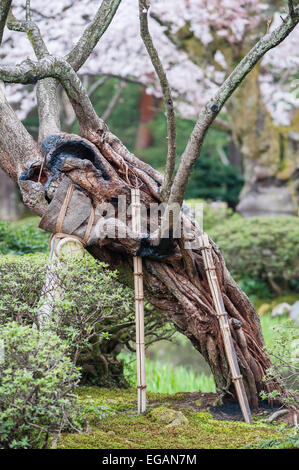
(109, 170)
(101, 169)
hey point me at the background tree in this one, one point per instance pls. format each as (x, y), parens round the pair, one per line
(101, 168)
(262, 118)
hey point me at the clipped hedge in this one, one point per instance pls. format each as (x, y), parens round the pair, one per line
(261, 249)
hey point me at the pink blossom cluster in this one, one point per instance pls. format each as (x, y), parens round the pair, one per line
(121, 52)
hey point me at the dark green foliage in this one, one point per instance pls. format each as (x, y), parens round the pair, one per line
(124, 119)
(211, 179)
(23, 237)
(255, 288)
(262, 250)
(156, 154)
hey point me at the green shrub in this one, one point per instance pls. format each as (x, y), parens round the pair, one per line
(264, 249)
(36, 378)
(22, 281)
(23, 237)
(88, 308)
(283, 351)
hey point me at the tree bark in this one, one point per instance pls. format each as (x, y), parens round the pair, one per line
(270, 158)
(183, 299)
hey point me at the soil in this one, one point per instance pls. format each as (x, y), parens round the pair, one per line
(229, 410)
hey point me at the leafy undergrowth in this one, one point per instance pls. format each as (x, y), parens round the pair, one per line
(164, 377)
(119, 427)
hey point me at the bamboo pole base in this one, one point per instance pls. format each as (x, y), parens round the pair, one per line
(224, 326)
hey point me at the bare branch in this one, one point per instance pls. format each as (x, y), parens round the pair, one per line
(171, 121)
(115, 99)
(119, 77)
(28, 13)
(32, 31)
(212, 108)
(221, 125)
(4, 10)
(92, 34)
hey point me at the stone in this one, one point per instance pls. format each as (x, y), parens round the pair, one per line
(264, 308)
(169, 417)
(266, 200)
(294, 312)
(181, 420)
(281, 309)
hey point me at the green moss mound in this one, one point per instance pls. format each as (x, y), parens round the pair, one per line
(122, 428)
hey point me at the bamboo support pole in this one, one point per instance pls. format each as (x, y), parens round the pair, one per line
(224, 326)
(139, 306)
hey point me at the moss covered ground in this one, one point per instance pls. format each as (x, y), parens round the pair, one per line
(119, 427)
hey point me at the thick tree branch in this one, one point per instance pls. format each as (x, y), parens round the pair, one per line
(47, 98)
(212, 108)
(30, 72)
(18, 153)
(70, 115)
(31, 29)
(4, 10)
(92, 34)
(171, 121)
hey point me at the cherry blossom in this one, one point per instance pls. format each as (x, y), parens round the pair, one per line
(121, 52)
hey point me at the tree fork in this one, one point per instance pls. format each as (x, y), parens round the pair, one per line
(186, 302)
